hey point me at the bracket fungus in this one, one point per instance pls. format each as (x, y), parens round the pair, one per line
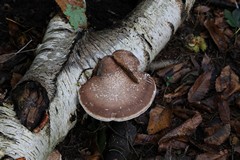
(117, 91)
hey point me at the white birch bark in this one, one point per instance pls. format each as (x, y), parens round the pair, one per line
(145, 32)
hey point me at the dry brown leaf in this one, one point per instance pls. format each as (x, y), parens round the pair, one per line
(183, 113)
(236, 125)
(206, 63)
(55, 155)
(180, 91)
(227, 82)
(237, 41)
(63, 3)
(18, 36)
(201, 12)
(170, 70)
(201, 9)
(237, 101)
(185, 129)
(179, 74)
(221, 40)
(174, 143)
(13, 27)
(195, 63)
(200, 87)
(224, 110)
(160, 118)
(5, 57)
(210, 102)
(203, 146)
(15, 79)
(96, 156)
(234, 140)
(237, 149)
(228, 32)
(222, 82)
(21, 158)
(74, 10)
(146, 139)
(209, 131)
(219, 136)
(222, 155)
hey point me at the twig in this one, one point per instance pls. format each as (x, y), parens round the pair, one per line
(24, 46)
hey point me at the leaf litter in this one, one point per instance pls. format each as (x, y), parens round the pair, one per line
(195, 114)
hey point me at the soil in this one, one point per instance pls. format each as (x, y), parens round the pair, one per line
(25, 22)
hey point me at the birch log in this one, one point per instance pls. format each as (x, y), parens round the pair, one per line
(62, 59)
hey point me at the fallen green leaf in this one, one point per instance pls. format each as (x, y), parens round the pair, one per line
(77, 16)
(233, 18)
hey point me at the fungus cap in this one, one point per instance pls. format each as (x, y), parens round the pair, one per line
(114, 96)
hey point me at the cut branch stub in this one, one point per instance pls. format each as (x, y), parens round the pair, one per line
(31, 103)
(112, 94)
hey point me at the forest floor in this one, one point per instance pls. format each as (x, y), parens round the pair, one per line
(196, 112)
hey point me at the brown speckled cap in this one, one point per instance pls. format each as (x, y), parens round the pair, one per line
(112, 96)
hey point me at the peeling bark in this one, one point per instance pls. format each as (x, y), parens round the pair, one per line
(63, 58)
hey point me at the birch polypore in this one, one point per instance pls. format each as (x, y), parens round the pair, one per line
(61, 62)
(117, 91)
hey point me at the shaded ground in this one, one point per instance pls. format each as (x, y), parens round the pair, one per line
(195, 113)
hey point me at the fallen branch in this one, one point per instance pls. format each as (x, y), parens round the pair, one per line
(61, 63)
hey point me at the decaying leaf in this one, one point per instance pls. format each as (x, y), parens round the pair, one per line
(223, 110)
(146, 139)
(185, 129)
(220, 39)
(160, 118)
(222, 155)
(219, 136)
(200, 87)
(227, 82)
